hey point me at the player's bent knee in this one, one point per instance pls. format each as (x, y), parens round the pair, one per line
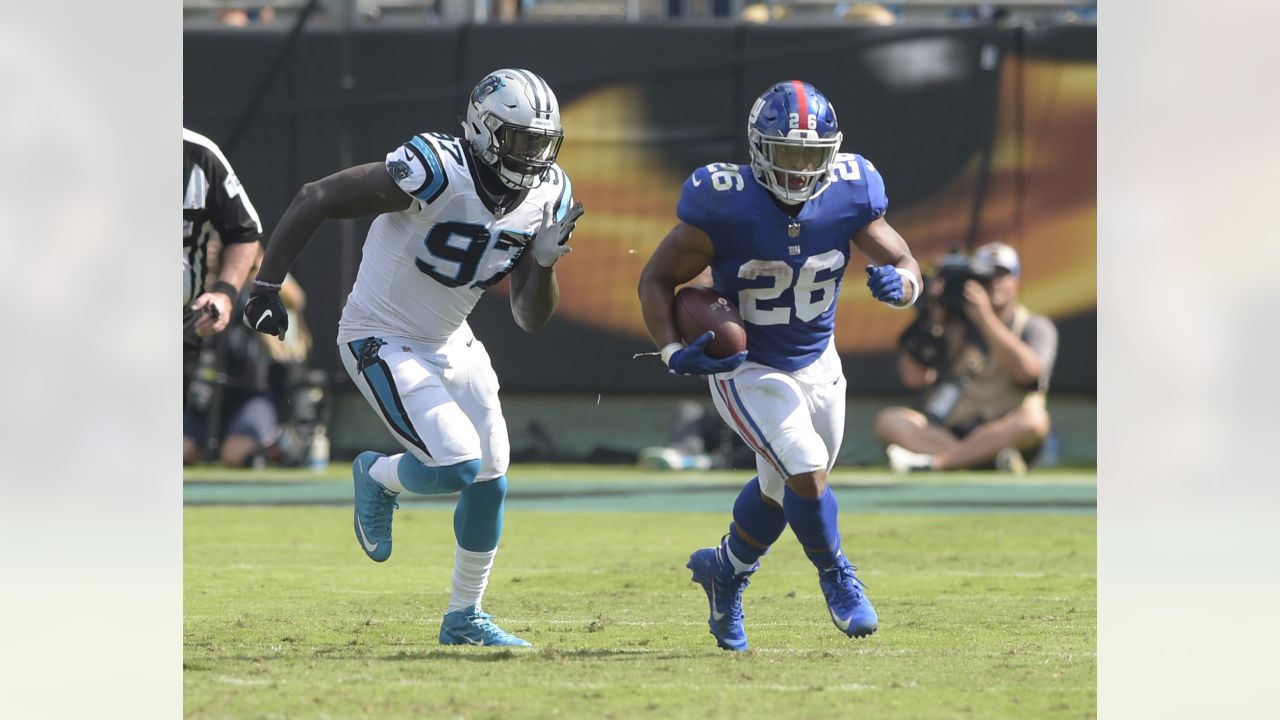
(494, 467)
(431, 479)
(809, 484)
(462, 474)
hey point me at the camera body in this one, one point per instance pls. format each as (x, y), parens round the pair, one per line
(924, 340)
(954, 270)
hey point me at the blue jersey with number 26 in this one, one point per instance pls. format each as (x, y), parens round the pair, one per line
(785, 287)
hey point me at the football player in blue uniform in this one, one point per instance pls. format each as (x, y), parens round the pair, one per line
(777, 237)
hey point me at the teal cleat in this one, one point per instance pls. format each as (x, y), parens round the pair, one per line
(374, 506)
(471, 626)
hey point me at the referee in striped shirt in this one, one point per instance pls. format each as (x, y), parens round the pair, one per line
(212, 199)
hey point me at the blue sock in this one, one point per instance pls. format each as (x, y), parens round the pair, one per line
(477, 520)
(814, 522)
(441, 480)
(756, 518)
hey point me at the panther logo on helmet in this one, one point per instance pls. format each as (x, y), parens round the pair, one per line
(513, 126)
(486, 88)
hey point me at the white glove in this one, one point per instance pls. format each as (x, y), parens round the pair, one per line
(549, 244)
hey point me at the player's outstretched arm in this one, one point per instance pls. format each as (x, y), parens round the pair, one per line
(360, 191)
(681, 256)
(892, 264)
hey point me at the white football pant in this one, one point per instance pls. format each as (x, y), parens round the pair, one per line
(440, 400)
(794, 421)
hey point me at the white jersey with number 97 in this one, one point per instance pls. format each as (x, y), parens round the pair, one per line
(425, 268)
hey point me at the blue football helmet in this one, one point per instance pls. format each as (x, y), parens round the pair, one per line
(794, 137)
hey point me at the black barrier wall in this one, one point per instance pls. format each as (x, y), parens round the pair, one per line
(981, 134)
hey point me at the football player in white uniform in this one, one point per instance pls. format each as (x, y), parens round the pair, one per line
(455, 216)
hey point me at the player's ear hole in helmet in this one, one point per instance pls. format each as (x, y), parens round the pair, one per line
(793, 136)
(513, 126)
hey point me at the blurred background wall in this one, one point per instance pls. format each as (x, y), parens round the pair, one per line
(983, 125)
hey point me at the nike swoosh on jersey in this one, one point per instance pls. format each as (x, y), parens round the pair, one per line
(715, 615)
(696, 181)
(363, 539)
(265, 315)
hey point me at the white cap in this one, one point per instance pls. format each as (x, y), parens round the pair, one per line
(999, 255)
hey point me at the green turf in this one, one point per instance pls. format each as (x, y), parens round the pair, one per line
(981, 616)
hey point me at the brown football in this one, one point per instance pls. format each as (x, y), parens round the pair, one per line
(699, 309)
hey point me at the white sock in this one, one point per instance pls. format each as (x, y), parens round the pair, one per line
(386, 471)
(470, 577)
(739, 567)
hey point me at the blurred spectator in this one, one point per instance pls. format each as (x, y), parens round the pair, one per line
(870, 14)
(1086, 13)
(982, 363)
(764, 13)
(246, 16)
(504, 10)
(213, 201)
(983, 14)
(699, 440)
(243, 386)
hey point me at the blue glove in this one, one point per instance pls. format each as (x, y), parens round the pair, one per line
(885, 283)
(693, 360)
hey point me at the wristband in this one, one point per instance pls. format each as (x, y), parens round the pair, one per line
(668, 350)
(226, 288)
(907, 277)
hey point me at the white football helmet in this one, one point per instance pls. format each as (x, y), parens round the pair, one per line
(513, 125)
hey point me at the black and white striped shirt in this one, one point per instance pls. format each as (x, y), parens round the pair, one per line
(212, 199)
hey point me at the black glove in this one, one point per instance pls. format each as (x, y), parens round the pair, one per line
(264, 312)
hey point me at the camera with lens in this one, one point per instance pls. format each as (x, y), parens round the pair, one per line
(942, 302)
(954, 270)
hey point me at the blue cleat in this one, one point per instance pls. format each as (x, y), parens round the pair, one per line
(715, 574)
(849, 606)
(374, 506)
(471, 626)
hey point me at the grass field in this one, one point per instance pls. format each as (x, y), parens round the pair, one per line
(983, 614)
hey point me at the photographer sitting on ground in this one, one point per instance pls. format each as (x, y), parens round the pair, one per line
(983, 363)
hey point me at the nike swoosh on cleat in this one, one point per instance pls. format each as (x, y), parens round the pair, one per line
(368, 546)
(470, 641)
(842, 624)
(714, 615)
